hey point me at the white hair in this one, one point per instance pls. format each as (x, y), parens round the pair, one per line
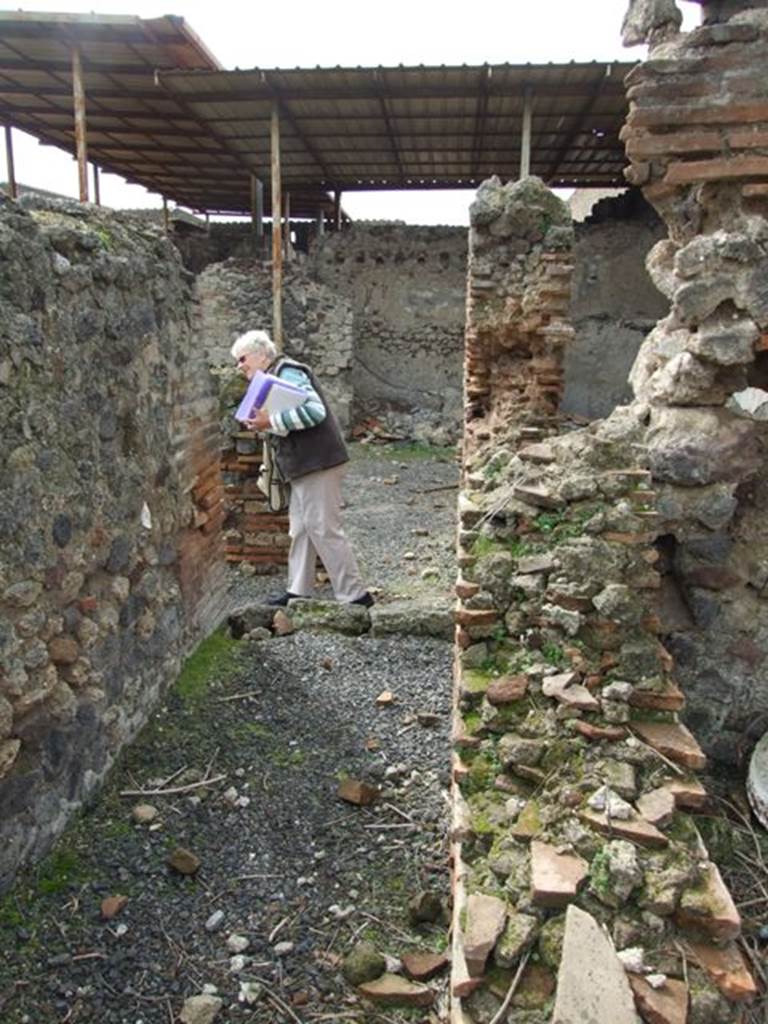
(254, 341)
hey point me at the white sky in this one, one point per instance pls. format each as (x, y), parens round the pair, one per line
(306, 33)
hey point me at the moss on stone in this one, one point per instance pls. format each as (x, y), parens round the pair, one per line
(600, 877)
(483, 769)
(550, 945)
(475, 681)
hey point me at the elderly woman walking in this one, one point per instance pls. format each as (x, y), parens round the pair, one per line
(311, 454)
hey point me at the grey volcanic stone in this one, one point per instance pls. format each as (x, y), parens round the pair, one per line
(409, 619)
(591, 983)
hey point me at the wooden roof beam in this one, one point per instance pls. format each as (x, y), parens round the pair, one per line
(287, 116)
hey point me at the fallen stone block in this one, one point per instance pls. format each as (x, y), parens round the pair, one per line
(409, 619)
(636, 829)
(486, 916)
(674, 741)
(610, 733)
(591, 982)
(727, 967)
(657, 806)
(555, 877)
(689, 794)
(329, 617)
(183, 861)
(507, 690)
(200, 1009)
(665, 1005)
(392, 990)
(355, 792)
(423, 966)
(709, 909)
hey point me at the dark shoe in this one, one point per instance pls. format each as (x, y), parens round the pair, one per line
(366, 600)
(281, 600)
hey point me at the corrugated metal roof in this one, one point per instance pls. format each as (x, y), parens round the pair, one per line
(163, 113)
(417, 127)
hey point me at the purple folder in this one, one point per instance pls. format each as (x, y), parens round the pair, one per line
(267, 391)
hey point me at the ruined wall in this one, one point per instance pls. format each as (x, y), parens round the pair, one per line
(379, 311)
(110, 502)
(236, 296)
(614, 303)
(406, 287)
(572, 841)
(696, 136)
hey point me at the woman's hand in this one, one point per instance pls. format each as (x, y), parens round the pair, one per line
(259, 422)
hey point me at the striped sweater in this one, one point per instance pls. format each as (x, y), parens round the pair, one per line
(308, 414)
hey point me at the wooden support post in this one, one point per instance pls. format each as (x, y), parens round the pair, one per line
(287, 215)
(166, 216)
(9, 163)
(257, 210)
(277, 247)
(320, 223)
(337, 210)
(207, 223)
(525, 140)
(96, 185)
(81, 135)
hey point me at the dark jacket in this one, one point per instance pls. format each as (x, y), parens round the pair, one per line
(306, 451)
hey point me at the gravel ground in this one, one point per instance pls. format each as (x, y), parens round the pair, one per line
(400, 516)
(272, 728)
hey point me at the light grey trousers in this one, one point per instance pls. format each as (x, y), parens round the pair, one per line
(314, 516)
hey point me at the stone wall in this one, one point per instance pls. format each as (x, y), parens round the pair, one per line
(572, 837)
(110, 502)
(614, 303)
(236, 296)
(391, 297)
(406, 287)
(696, 136)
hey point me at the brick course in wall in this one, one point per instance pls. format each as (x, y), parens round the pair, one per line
(574, 777)
(696, 138)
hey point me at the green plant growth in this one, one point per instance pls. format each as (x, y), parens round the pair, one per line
(58, 871)
(288, 758)
(214, 659)
(554, 654)
(403, 452)
(483, 770)
(10, 915)
(600, 877)
(565, 524)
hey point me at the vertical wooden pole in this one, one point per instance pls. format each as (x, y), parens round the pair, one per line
(337, 210)
(257, 210)
(9, 162)
(81, 136)
(166, 216)
(287, 216)
(96, 185)
(525, 140)
(207, 223)
(277, 247)
(320, 223)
